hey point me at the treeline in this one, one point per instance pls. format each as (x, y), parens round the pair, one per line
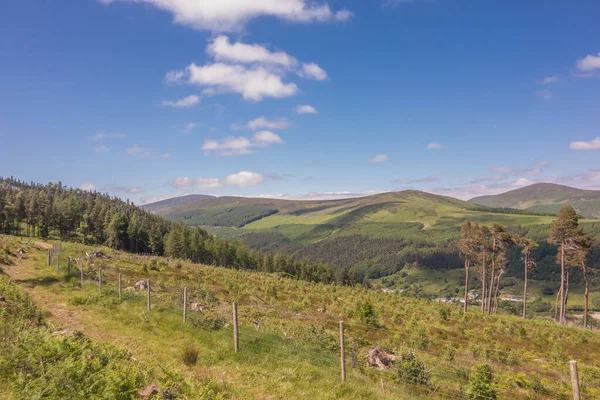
(489, 249)
(53, 210)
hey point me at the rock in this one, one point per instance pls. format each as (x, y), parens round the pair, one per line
(321, 310)
(140, 285)
(148, 391)
(380, 358)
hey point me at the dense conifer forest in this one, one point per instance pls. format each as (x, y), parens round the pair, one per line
(55, 211)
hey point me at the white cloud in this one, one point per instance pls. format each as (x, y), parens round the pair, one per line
(138, 151)
(232, 15)
(266, 138)
(98, 137)
(417, 180)
(542, 163)
(241, 179)
(244, 178)
(434, 146)
(550, 79)
(228, 146)
(240, 145)
(378, 158)
(90, 187)
(153, 199)
(253, 83)
(263, 123)
(223, 50)
(306, 109)
(165, 155)
(184, 102)
(127, 189)
(312, 71)
(589, 63)
(470, 191)
(251, 70)
(101, 149)
(515, 171)
(189, 127)
(593, 144)
(544, 94)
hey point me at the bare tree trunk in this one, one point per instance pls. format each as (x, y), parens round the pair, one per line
(467, 265)
(562, 281)
(585, 295)
(564, 308)
(525, 287)
(497, 293)
(556, 305)
(483, 283)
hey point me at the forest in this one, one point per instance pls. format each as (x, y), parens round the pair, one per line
(53, 210)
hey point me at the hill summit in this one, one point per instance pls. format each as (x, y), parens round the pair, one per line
(547, 198)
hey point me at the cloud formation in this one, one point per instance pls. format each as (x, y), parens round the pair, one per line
(89, 187)
(593, 144)
(434, 146)
(589, 63)
(378, 158)
(223, 50)
(306, 109)
(240, 179)
(264, 123)
(251, 70)
(550, 79)
(128, 189)
(240, 145)
(232, 15)
(184, 102)
(312, 71)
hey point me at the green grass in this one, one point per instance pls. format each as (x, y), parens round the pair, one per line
(294, 352)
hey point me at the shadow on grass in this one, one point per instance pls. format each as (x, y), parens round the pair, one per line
(43, 281)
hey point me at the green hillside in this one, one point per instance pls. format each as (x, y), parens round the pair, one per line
(375, 235)
(289, 336)
(547, 198)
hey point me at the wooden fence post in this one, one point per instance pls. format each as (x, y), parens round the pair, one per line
(58, 263)
(184, 304)
(575, 380)
(49, 257)
(148, 294)
(236, 343)
(81, 272)
(120, 291)
(342, 352)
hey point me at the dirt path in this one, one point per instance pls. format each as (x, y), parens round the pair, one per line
(43, 245)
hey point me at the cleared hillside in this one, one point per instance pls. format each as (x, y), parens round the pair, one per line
(289, 342)
(374, 235)
(547, 198)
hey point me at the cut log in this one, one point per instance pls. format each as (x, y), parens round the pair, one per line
(380, 358)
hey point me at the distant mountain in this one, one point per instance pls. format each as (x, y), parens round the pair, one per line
(375, 235)
(175, 202)
(546, 197)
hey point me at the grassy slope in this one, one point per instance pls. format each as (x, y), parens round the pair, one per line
(305, 366)
(546, 197)
(378, 214)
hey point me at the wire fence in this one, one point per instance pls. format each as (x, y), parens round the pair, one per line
(184, 296)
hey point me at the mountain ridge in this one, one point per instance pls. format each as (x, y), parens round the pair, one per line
(546, 197)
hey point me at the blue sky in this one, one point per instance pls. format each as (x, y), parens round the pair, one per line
(147, 99)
